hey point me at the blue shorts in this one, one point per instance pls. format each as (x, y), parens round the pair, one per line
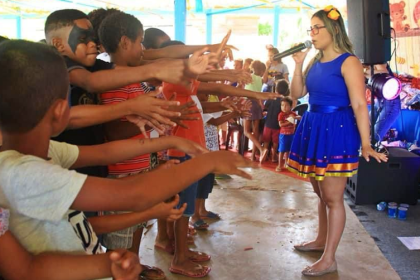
(189, 194)
(285, 142)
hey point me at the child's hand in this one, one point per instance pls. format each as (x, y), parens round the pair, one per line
(189, 147)
(142, 123)
(167, 210)
(185, 112)
(229, 104)
(229, 163)
(125, 265)
(176, 71)
(244, 109)
(200, 62)
(153, 109)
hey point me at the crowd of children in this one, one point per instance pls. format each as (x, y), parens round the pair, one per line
(89, 183)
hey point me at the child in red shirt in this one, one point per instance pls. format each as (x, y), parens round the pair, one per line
(286, 120)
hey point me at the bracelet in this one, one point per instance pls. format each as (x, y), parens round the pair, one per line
(4, 221)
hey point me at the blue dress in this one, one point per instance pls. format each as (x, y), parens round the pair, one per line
(327, 140)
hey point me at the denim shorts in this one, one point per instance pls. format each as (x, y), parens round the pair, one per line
(189, 194)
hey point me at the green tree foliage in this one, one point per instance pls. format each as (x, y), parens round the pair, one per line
(264, 29)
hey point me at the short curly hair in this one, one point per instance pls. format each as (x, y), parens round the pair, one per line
(115, 26)
(97, 16)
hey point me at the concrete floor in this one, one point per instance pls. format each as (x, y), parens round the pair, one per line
(269, 214)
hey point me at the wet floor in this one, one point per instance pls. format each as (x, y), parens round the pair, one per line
(261, 220)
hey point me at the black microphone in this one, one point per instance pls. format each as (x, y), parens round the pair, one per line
(293, 50)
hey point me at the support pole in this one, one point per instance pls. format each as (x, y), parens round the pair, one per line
(180, 20)
(209, 27)
(276, 26)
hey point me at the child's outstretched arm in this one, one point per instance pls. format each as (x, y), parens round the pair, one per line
(181, 51)
(146, 106)
(146, 190)
(117, 151)
(16, 263)
(241, 77)
(172, 71)
(217, 89)
(111, 223)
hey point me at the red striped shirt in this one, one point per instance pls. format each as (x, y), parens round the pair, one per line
(139, 163)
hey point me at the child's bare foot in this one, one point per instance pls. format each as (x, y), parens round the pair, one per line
(263, 154)
(279, 169)
(167, 246)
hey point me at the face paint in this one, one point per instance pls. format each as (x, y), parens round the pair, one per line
(80, 36)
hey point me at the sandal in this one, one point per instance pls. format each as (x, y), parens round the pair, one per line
(211, 215)
(202, 272)
(200, 225)
(152, 273)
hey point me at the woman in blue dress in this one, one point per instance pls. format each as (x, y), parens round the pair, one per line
(330, 134)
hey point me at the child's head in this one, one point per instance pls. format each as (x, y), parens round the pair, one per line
(122, 34)
(154, 37)
(286, 105)
(282, 87)
(238, 64)
(271, 53)
(247, 63)
(34, 86)
(258, 68)
(96, 17)
(71, 33)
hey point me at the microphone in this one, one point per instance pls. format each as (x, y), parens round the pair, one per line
(293, 50)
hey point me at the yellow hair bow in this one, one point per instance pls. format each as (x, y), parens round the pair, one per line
(332, 12)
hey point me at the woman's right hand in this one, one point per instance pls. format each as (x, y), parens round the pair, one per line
(299, 57)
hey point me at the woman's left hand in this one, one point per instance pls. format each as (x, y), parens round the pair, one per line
(368, 152)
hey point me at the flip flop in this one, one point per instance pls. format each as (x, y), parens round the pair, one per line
(205, 270)
(211, 215)
(199, 257)
(152, 273)
(170, 249)
(200, 225)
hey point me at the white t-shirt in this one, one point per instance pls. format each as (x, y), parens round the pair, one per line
(39, 194)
